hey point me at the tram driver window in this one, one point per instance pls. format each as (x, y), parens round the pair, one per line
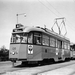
(37, 38)
(24, 38)
(17, 38)
(30, 38)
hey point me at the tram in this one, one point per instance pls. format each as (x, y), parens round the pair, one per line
(72, 51)
(34, 44)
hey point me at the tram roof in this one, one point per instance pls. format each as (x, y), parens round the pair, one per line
(44, 30)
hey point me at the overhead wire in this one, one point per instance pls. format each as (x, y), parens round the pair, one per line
(60, 14)
(72, 28)
(48, 8)
(53, 7)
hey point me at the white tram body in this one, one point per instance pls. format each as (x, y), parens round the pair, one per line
(37, 44)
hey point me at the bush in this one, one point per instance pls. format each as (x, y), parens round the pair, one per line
(4, 54)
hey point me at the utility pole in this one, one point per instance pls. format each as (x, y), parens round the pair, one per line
(19, 15)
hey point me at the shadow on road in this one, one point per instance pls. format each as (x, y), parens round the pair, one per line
(44, 63)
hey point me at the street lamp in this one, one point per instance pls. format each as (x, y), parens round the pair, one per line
(19, 15)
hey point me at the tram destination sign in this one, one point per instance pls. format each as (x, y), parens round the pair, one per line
(19, 25)
(17, 30)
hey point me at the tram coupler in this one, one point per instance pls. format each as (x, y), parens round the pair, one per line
(13, 63)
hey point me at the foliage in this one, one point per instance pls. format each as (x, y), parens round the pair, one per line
(4, 54)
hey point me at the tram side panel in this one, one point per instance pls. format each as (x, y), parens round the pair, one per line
(55, 53)
(51, 53)
(67, 54)
(48, 52)
(35, 54)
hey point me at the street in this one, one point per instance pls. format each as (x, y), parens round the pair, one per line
(64, 68)
(68, 70)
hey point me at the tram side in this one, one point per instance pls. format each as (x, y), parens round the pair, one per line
(72, 51)
(34, 44)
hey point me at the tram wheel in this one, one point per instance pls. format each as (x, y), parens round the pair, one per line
(13, 63)
(24, 63)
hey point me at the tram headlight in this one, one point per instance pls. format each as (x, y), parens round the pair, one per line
(13, 53)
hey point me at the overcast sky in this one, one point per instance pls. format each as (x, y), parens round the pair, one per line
(38, 13)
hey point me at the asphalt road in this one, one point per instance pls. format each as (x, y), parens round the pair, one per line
(51, 69)
(66, 70)
(6, 66)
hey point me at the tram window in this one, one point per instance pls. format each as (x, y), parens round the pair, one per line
(37, 38)
(65, 45)
(52, 42)
(19, 38)
(30, 38)
(68, 46)
(11, 39)
(24, 38)
(56, 43)
(59, 44)
(62, 44)
(45, 40)
(14, 39)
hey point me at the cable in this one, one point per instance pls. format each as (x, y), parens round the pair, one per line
(48, 8)
(53, 7)
(59, 13)
(56, 14)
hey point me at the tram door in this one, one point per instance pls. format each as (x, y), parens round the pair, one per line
(59, 47)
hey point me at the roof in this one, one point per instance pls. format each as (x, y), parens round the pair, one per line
(44, 30)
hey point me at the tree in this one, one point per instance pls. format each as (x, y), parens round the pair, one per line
(4, 54)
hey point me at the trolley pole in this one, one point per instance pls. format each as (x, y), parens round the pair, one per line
(17, 18)
(62, 22)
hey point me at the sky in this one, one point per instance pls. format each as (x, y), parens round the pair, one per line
(38, 13)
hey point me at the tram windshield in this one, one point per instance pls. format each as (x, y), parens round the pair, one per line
(19, 38)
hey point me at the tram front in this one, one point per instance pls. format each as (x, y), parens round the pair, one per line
(18, 45)
(26, 45)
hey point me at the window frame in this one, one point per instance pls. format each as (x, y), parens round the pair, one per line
(52, 40)
(35, 42)
(66, 45)
(48, 39)
(32, 37)
(23, 34)
(60, 46)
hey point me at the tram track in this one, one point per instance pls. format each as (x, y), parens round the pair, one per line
(35, 70)
(55, 66)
